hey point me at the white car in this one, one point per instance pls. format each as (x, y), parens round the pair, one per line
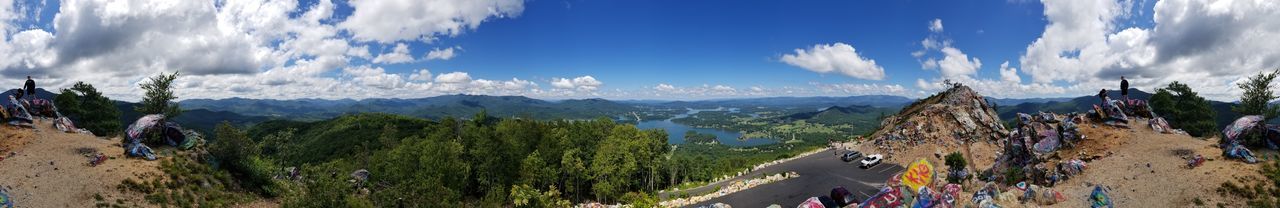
(871, 160)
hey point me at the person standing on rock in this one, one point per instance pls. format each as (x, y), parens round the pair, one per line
(1124, 89)
(30, 87)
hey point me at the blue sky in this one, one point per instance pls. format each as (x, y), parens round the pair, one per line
(666, 49)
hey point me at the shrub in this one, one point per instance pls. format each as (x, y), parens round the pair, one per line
(1013, 175)
(89, 109)
(955, 161)
(1184, 109)
(240, 156)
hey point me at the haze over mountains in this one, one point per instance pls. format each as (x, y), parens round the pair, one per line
(204, 114)
(467, 105)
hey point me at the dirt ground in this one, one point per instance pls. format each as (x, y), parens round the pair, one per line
(1141, 167)
(1147, 169)
(46, 168)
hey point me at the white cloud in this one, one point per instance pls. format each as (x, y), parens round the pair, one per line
(421, 75)
(361, 52)
(865, 89)
(374, 77)
(454, 77)
(443, 54)
(838, 57)
(664, 88)
(583, 83)
(387, 21)
(724, 89)
(957, 67)
(150, 36)
(704, 91)
(1206, 44)
(956, 63)
(400, 54)
(1009, 74)
(279, 49)
(935, 25)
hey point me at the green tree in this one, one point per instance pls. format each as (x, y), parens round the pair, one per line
(1257, 96)
(955, 162)
(240, 156)
(525, 196)
(1185, 109)
(536, 172)
(574, 172)
(89, 109)
(388, 137)
(616, 163)
(159, 96)
(324, 188)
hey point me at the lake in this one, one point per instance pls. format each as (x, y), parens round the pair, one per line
(675, 131)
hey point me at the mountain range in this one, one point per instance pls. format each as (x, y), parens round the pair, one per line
(204, 114)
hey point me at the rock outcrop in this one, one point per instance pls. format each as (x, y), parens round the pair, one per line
(952, 117)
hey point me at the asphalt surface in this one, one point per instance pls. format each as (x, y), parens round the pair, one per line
(819, 173)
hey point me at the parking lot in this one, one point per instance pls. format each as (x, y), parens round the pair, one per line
(818, 174)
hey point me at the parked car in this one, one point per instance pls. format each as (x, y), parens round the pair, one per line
(851, 156)
(842, 196)
(871, 160)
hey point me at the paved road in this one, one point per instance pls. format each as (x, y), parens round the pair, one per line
(818, 174)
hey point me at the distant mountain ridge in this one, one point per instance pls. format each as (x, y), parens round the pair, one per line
(800, 102)
(430, 107)
(862, 116)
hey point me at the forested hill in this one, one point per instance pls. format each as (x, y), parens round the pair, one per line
(858, 115)
(431, 107)
(480, 161)
(202, 120)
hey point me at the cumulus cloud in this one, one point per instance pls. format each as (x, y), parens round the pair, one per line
(1206, 44)
(838, 57)
(146, 37)
(664, 88)
(422, 19)
(957, 67)
(583, 83)
(1009, 74)
(956, 63)
(443, 54)
(400, 54)
(421, 75)
(248, 48)
(724, 89)
(454, 77)
(935, 25)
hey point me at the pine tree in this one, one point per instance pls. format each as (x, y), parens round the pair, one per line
(159, 97)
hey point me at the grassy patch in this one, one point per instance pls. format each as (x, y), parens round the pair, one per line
(1264, 192)
(188, 183)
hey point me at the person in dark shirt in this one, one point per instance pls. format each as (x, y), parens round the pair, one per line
(1103, 95)
(30, 87)
(1124, 89)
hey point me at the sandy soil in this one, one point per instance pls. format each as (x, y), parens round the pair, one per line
(1146, 169)
(1122, 162)
(45, 168)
